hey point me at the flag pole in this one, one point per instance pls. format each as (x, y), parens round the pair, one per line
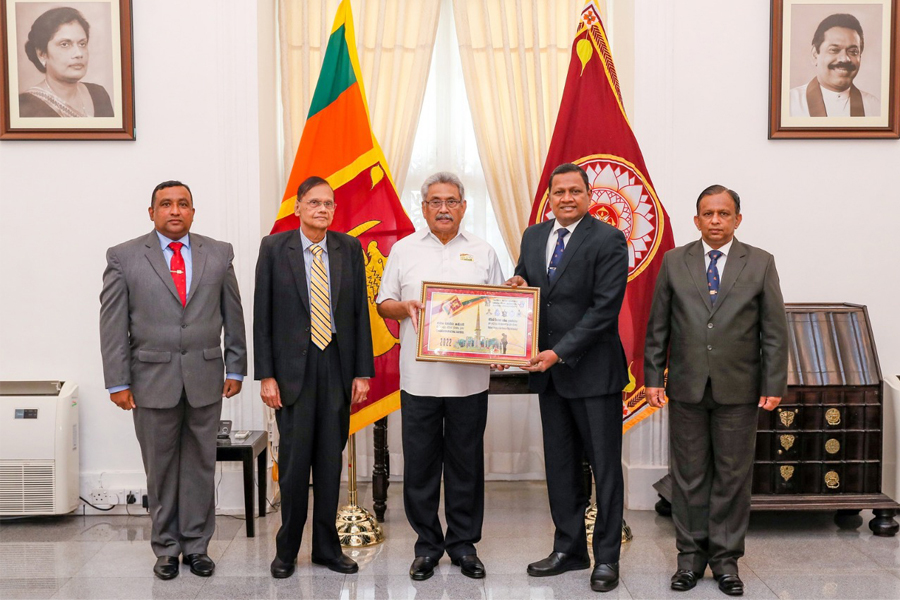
(356, 526)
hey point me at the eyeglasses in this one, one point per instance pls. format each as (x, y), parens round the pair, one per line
(317, 204)
(436, 204)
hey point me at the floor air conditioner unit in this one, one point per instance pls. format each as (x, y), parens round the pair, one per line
(38, 448)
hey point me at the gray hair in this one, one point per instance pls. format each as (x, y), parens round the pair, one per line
(443, 177)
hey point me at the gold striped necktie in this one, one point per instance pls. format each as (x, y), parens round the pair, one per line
(320, 304)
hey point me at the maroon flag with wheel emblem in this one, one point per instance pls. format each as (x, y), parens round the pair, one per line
(592, 131)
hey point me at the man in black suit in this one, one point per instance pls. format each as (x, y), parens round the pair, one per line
(718, 323)
(581, 265)
(313, 346)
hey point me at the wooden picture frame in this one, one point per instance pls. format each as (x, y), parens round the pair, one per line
(478, 324)
(846, 87)
(62, 80)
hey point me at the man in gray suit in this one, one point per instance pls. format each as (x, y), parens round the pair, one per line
(167, 296)
(718, 323)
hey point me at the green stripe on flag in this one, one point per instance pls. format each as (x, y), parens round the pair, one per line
(336, 75)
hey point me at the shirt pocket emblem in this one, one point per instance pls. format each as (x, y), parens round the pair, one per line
(466, 257)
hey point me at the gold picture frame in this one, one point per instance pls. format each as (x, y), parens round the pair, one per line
(478, 324)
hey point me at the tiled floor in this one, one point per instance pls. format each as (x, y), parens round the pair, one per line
(789, 555)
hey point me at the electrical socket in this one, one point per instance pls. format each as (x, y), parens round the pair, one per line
(103, 497)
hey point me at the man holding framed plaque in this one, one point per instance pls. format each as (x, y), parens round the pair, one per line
(444, 404)
(580, 265)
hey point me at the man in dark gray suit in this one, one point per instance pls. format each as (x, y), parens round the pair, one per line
(718, 323)
(166, 299)
(581, 265)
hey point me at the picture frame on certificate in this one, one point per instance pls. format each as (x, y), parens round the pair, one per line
(67, 70)
(478, 324)
(835, 69)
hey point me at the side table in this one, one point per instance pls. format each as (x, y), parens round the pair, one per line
(245, 451)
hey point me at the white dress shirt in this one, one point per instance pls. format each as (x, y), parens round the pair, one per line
(720, 264)
(422, 257)
(837, 104)
(551, 241)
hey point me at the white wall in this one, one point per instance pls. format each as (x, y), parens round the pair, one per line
(829, 210)
(63, 203)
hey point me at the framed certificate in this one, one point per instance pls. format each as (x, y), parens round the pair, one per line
(479, 324)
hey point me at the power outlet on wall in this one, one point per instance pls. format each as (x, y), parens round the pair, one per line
(103, 497)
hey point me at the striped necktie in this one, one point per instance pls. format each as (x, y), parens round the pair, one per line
(320, 303)
(556, 257)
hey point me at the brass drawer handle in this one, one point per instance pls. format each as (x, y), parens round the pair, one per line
(832, 446)
(832, 480)
(833, 416)
(786, 441)
(787, 416)
(787, 472)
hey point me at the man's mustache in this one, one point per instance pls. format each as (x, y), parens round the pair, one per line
(849, 66)
(444, 217)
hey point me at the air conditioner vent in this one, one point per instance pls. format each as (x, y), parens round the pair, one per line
(27, 487)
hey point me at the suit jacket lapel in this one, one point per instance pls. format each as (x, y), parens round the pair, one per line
(154, 254)
(335, 264)
(298, 267)
(578, 236)
(734, 264)
(538, 258)
(198, 262)
(696, 265)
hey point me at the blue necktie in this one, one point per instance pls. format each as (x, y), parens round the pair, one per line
(712, 275)
(557, 254)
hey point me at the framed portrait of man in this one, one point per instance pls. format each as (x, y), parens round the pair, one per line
(67, 70)
(835, 69)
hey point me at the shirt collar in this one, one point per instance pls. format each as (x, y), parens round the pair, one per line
(306, 242)
(724, 249)
(571, 227)
(164, 241)
(835, 96)
(426, 233)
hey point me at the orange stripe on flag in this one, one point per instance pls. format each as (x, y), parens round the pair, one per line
(332, 138)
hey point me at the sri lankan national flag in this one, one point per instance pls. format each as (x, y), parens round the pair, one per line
(593, 132)
(338, 144)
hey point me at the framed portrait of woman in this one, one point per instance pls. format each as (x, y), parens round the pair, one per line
(67, 70)
(835, 67)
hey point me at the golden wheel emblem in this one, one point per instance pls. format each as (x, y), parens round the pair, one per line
(787, 441)
(832, 446)
(787, 417)
(833, 416)
(832, 480)
(787, 472)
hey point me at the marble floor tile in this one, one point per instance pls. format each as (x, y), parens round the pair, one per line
(328, 585)
(449, 586)
(28, 588)
(134, 588)
(40, 560)
(859, 583)
(791, 552)
(883, 550)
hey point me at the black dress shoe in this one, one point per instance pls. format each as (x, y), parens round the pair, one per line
(201, 564)
(166, 567)
(605, 577)
(558, 562)
(470, 565)
(422, 568)
(281, 569)
(342, 564)
(685, 579)
(730, 584)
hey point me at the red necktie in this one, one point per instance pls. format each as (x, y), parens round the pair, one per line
(178, 273)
